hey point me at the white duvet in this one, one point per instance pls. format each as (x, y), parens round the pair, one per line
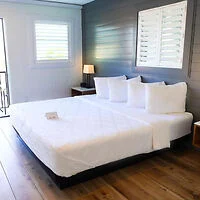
(91, 132)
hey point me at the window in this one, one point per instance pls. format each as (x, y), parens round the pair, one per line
(4, 91)
(2, 48)
(52, 42)
(161, 33)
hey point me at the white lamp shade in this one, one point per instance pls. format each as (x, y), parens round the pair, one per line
(88, 69)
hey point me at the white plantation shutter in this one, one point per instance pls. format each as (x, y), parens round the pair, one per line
(148, 31)
(51, 41)
(172, 35)
(161, 33)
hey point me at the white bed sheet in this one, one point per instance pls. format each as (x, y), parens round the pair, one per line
(92, 131)
(180, 123)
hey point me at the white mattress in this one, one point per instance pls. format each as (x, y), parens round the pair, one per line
(91, 132)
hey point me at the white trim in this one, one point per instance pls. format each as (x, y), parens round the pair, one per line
(55, 4)
(167, 6)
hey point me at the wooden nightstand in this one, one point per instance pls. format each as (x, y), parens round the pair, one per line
(196, 135)
(76, 91)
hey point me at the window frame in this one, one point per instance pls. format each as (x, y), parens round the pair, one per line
(158, 52)
(59, 63)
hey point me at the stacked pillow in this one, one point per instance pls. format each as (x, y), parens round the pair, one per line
(113, 88)
(166, 98)
(137, 93)
(101, 85)
(118, 89)
(156, 97)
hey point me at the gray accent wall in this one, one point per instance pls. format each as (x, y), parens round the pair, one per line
(109, 42)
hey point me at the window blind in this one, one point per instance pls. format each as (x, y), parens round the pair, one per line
(51, 41)
(147, 36)
(161, 34)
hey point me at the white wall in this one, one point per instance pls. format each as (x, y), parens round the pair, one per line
(26, 82)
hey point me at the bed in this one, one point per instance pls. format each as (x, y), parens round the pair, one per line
(92, 132)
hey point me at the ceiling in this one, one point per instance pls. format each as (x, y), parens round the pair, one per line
(52, 2)
(77, 2)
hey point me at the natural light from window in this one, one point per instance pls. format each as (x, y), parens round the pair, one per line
(2, 49)
(52, 41)
(161, 33)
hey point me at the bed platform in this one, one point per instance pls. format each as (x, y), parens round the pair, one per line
(64, 182)
(93, 136)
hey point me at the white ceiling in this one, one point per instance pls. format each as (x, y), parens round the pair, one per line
(52, 2)
(78, 2)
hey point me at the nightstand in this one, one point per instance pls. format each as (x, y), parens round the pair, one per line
(196, 134)
(77, 91)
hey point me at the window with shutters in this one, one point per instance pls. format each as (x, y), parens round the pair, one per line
(52, 42)
(161, 33)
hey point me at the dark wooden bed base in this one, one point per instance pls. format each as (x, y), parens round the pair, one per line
(63, 182)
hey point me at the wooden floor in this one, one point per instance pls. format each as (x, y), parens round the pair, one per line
(170, 175)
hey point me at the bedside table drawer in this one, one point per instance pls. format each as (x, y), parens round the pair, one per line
(77, 91)
(89, 92)
(196, 136)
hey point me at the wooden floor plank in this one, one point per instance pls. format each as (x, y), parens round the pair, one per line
(175, 182)
(126, 187)
(5, 189)
(154, 189)
(98, 189)
(75, 192)
(104, 192)
(170, 183)
(21, 183)
(180, 170)
(188, 159)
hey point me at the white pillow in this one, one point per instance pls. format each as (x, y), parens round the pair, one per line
(101, 85)
(136, 93)
(166, 98)
(118, 89)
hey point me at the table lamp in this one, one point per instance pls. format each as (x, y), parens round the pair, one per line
(88, 70)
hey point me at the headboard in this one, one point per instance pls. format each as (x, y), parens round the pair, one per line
(169, 79)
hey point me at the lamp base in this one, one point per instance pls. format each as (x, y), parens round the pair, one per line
(88, 86)
(83, 84)
(88, 81)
